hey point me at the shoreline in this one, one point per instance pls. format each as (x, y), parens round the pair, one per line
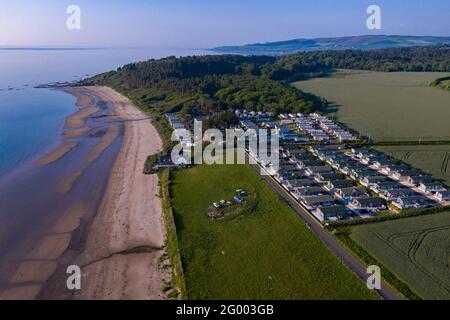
(105, 217)
(126, 239)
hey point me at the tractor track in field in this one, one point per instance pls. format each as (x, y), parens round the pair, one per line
(414, 246)
(444, 165)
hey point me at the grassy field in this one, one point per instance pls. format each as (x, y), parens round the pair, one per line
(416, 249)
(387, 106)
(263, 252)
(434, 160)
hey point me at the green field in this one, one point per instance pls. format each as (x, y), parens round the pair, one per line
(393, 106)
(434, 160)
(416, 249)
(263, 252)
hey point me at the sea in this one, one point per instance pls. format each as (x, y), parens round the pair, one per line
(31, 118)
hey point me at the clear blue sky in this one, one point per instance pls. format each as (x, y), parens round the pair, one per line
(208, 23)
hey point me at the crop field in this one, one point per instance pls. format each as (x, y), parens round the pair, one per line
(416, 249)
(434, 160)
(260, 251)
(397, 106)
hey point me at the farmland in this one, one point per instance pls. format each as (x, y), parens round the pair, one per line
(415, 249)
(261, 252)
(395, 106)
(434, 160)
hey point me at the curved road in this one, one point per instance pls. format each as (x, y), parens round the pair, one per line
(385, 292)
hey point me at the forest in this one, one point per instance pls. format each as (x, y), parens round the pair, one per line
(214, 85)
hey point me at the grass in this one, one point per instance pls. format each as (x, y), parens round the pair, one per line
(434, 160)
(263, 253)
(415, 249)
(442, 83)
(171, 242)
(395, 106)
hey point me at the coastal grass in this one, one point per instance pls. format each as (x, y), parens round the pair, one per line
(434, 160)
(171, 241)
(263, 253)
(414, 249)
(397, 106)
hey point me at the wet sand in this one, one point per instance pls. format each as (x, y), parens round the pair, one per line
(96, 209)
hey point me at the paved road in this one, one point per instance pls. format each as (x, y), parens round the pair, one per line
(326, 238)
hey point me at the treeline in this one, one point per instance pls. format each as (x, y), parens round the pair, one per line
(387, 60)
(208, 85)
(214, 85)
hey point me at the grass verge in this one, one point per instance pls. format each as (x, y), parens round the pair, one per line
(171, 237)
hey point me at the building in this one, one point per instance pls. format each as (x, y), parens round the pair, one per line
(371, 180)
(292, 184)
(443, 195)
(311, 171)
(317, 201)
(411, 202)
(399, 193)
(329, 176)
(311, 191)
(347, 194)
(404, 174)
(431, 187)
(386, 185)
(331, 212)
(418, 179)
(370, 204)
(339, 184)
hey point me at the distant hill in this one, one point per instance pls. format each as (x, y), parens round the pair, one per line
(366, 42)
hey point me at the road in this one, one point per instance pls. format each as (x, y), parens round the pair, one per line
(385, 292)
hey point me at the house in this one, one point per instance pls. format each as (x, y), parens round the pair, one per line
(317, 201)
(411, 202)
(331, 212)
(404, 174)
(370, 180)
(371, 203)
(431, 187)
(329, 176)
(443, 195)
(338, 184)
(309, 163)
(394, 167)
(360, 173)
(386, 185)
(397, 193)
(346, 194)
(317, 169)
(299, 183)
(311, 191)
(418, 179)
(383, 163)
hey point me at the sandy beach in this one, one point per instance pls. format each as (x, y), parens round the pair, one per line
(118, 243)
(121, 257)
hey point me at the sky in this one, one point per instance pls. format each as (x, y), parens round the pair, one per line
(209, 23)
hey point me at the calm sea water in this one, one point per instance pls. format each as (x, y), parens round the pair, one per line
(30, 119)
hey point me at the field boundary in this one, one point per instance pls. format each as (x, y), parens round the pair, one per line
(172, 246)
